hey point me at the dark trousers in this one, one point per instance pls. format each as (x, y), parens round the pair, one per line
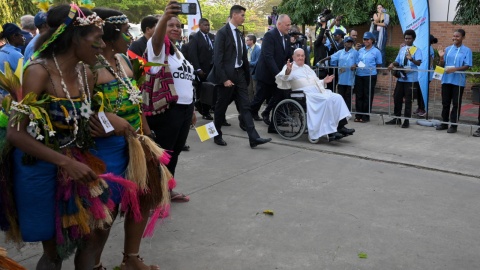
(239, 94)
(264, 91)
(451, 94)
(346, 92)
(364, 91)
(404, 90)
(171, 128)
(420, 102)
(200, 104)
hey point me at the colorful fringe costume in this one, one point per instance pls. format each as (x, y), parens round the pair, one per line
(137, 159)
(38, 200)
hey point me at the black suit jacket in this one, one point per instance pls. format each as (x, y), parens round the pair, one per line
(225, 56)
(273, 56)
(200, 55)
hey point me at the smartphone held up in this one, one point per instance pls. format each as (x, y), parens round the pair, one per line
(188, 8)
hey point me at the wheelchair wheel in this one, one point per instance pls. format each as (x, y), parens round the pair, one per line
(289, 119)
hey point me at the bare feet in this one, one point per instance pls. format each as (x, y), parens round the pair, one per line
(178, 197)
(134, 262)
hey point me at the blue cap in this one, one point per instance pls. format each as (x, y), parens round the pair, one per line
(40, 19)
(10, 29)
(338, 32)
(348, 39)
(369, 35)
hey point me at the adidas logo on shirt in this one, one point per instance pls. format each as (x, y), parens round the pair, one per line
(184, 72)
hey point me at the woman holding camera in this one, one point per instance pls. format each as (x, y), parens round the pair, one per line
(172, 126)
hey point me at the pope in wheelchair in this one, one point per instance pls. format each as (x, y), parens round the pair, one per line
(327, 111)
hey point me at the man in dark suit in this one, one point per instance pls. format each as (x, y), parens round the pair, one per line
(276, 49)
(231, 71)
(139, 46)
(200, 54)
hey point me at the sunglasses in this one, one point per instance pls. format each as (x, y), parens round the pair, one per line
(366, 39)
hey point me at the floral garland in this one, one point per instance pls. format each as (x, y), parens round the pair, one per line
(134, 94)
(93, 19)
(86, 104)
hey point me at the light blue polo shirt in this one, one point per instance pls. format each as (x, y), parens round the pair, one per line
(29, 50)
(371, 58)
(345, 60)
(457, 57)
(412, 76)
(9, 54)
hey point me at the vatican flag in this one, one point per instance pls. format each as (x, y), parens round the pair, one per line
(207, 131)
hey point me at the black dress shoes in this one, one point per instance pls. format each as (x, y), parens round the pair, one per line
(476, 133)
(346, 131)
(254, 143)
(256, 117)
(452, 129)
(219, 141)
(273, 131)
(207, 117)
(335, 136)
(226, 124)
(442, 127)
(241, 123)
(394, 121)
(406, 123)
(266, 118)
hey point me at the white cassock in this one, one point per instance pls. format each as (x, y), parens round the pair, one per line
(324, 108)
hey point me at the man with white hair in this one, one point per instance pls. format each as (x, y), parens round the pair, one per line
(276, 49)
(327, 111)
(29, 30)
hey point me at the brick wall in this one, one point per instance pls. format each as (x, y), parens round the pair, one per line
(443, 31)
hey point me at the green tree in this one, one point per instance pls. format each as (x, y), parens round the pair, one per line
(468, 12)
(354, 12)
(134, 9)
(216, 14)
(217, 11)
(12, 10)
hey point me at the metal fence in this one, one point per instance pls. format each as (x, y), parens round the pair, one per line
(383, 105)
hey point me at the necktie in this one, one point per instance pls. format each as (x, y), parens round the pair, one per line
(239, 48)
(208, 42)
(249, 54)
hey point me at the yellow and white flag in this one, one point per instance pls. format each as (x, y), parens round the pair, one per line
(207, 131)
(438, 74)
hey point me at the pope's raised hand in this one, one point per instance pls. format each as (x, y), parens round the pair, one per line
(289, 67)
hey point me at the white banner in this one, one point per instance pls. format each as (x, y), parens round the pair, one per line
(193, 20)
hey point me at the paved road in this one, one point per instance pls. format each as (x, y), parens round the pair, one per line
(408, 198)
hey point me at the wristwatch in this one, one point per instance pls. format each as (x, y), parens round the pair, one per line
(152, 135)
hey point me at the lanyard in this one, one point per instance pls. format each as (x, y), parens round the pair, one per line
(365, 54)
(405, 55)
(456, 55)
(348, 57)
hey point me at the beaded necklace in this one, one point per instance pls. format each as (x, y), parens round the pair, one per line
(121, 76)
(86, 107)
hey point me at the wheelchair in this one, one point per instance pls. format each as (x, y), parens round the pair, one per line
(290, 117)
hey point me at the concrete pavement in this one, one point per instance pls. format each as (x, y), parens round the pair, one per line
(408, 198)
